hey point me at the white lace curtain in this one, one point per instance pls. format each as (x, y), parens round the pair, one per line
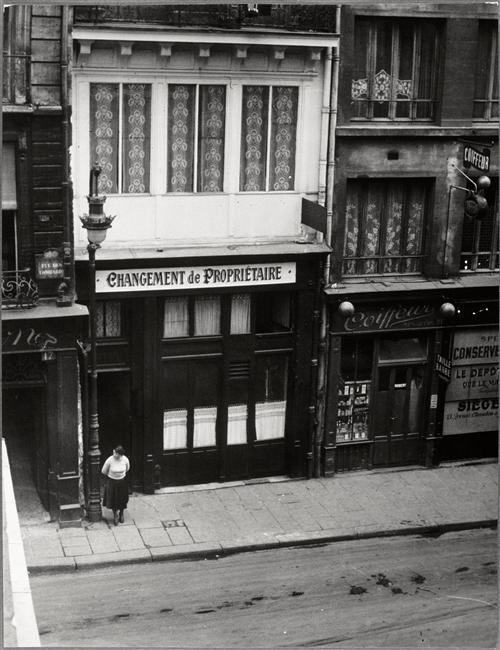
(207, 316)
(270, 420)
(237, 424)
(176, 317)
(204, 426)
(240, 313)
(175, 429)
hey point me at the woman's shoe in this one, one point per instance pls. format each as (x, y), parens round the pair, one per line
(121, 516)
(115, 518)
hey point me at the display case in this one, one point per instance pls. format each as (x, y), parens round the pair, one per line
(352, 411)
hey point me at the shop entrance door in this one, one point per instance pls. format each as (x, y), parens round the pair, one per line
(399, 399)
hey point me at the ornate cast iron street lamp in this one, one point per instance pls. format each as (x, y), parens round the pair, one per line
(96, 223)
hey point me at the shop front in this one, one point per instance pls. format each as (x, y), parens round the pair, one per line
(40, 405)
(205, 368)
(470, 409)
(383, 388)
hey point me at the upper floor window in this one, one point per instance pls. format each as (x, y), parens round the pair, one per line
(196, 116)
(384, 226)
(486, 91)
(120, 134)
(268, 138)
(480, 237)
(395, 69)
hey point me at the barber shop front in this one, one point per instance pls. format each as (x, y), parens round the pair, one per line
(204, 365)
(382, 400)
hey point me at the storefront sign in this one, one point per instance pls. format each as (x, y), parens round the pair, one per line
(443, 367)
(49, 266)
(195, 277)
(391, 318)
(472, 394)
(26, 338)
(475, 158)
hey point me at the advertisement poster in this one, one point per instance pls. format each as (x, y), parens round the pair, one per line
(472, 394)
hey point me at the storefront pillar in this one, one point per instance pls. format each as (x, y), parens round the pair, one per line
(329, 446)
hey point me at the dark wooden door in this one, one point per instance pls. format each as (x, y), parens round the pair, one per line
(397, 415)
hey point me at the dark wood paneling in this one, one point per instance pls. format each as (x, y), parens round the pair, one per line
(352, 457)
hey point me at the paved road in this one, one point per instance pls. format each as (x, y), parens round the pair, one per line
(393, 592)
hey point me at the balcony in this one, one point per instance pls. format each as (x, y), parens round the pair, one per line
(16, 79)
(19, 290)
(232, 16)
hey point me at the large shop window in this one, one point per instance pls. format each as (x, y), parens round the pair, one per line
(354, 390)
(480, 249)
(120, 132)
(268, 138)
(196, 316)
(396, 65)
(271, 374)
(486, 90)
(384, 226)
(196, 116)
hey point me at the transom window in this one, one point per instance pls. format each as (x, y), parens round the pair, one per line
(396, 65)
(486, 91)
(384, 226)
(480, 237)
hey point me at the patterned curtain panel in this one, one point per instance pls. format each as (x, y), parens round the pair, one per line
(104, 134)
(180, 137)
(283, 141)
(136, 137)
(211, 123)
(254, 138)
(176, 317)
(384, 226)
(207, 316)
(175, 429)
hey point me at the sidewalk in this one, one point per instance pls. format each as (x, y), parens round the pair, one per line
(217, 520)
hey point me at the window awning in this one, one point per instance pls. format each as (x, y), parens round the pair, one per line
(9, 194)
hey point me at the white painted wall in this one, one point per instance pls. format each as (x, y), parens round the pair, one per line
(231, 216)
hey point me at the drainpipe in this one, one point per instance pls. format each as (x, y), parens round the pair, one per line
(330, 179)
(66, 289)
(324, 126)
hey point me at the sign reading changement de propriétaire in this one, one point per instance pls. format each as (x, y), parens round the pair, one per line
(195, 277)
(471, 402)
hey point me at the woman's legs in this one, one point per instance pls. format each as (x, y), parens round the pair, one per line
(121, 516)
(115, 517)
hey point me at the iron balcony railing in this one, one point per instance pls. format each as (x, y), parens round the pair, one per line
(19, 290)
(16, 79)
(231, 16)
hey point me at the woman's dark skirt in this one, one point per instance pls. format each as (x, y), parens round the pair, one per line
(116, 494)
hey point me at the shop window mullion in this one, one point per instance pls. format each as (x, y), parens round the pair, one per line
(491, 75)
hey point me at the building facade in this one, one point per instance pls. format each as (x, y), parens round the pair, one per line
(413, 303)
(210, 127)
(41, 322)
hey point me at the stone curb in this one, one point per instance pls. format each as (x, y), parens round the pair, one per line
(207, 550)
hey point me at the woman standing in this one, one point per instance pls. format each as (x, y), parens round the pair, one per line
(116, 490)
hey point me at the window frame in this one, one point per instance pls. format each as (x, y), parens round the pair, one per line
(493, 253)
(379, 259)
(370, 71)
(491, 61)
(159, 107)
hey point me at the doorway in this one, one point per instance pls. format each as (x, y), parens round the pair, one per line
(400, 394)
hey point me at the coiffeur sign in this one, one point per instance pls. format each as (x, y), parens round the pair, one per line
(195, 277)
(472, 394)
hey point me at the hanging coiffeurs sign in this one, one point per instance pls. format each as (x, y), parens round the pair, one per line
(471, 402)
(195, 277)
